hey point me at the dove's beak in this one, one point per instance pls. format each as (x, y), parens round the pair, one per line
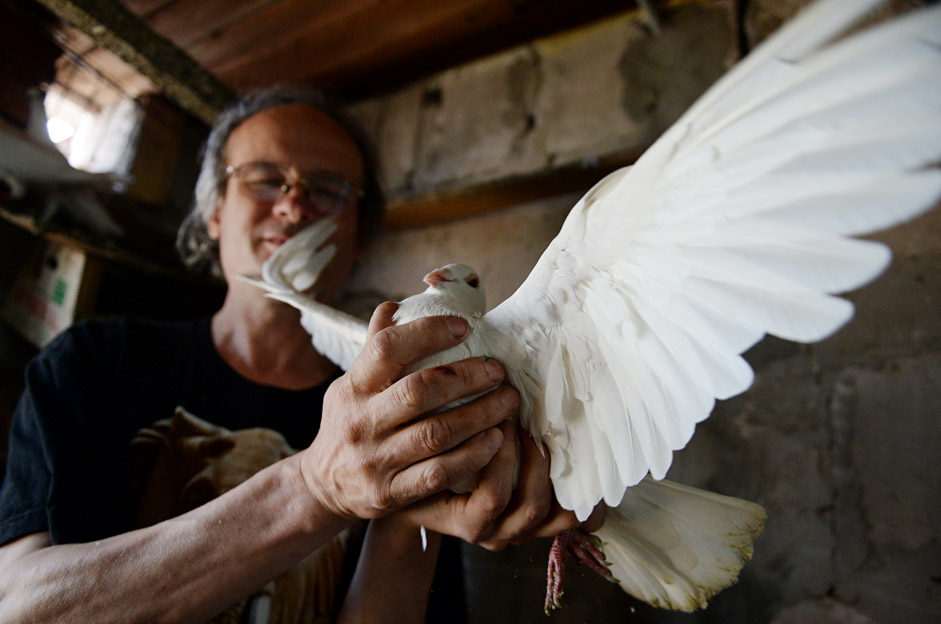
(435, 277)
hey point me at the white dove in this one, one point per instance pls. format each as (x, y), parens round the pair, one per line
(736, 223)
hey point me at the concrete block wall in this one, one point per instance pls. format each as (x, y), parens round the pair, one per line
(839, 440)
(600, 89)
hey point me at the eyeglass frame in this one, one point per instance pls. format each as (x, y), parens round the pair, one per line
(350, 192)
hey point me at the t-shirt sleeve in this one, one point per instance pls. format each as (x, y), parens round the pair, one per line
(54, 462)
(27, 481)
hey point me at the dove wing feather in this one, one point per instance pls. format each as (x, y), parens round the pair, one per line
(291, 271)
(733, 225)
(335, 334)
(296, 265)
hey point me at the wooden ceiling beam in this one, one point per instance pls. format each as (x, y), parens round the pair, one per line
(113, 27)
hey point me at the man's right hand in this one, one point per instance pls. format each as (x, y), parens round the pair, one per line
(376, 452)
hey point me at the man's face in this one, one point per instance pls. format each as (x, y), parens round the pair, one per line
(248, 230)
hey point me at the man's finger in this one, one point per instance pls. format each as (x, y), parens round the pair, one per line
(470, 516)
(532, 502)
(390, 350)
(535, 511)
(442, 471)
(381, 318)
(494, 489)
(441, 432)
(433, 388)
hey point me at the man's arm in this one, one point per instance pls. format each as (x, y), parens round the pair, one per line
(372, 456)
(513, 504)
(184, 569)
(394, 575)
(19, 548)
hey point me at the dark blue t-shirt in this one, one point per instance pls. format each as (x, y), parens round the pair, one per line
(90, 390)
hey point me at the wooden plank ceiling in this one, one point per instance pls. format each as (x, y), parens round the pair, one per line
(356, 47)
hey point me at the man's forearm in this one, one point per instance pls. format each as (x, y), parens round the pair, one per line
(393, 576)
(182, 570)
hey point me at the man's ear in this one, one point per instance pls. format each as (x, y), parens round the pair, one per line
(213, 226)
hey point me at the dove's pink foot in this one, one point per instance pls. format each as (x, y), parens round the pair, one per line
(583, 546)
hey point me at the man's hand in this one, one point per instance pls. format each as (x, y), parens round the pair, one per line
(496, 513)
(376, 452)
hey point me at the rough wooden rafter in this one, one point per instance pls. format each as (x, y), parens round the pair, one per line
(113, 27)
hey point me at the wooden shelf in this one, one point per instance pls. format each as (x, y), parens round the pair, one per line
(437, 207)
(113, 253)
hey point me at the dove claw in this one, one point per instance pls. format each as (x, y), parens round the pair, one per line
(583, 546)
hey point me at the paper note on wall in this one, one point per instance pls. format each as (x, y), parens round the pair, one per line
(43, 300)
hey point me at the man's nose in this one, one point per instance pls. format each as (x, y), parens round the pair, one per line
(295, 206)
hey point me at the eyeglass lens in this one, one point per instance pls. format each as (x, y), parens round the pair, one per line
(267, 182)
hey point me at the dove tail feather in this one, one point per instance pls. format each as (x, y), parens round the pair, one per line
(675, 546)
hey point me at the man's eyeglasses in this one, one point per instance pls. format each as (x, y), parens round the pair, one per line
(269, 182)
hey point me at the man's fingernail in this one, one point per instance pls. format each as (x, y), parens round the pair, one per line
(494, 370)
(509, 397)
(493, 438)
(457, 326)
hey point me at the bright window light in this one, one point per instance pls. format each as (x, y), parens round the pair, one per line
(59, 130)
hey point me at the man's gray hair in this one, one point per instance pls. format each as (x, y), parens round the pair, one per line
(193, 243)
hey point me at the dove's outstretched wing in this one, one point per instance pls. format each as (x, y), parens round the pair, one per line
(296, 265)
(335, 334)
(733, 225)
(290, 274)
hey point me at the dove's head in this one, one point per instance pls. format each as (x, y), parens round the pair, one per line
(460, 285)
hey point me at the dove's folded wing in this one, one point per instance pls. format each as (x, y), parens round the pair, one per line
(733, 225)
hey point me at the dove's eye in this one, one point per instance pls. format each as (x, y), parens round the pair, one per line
(473, 281)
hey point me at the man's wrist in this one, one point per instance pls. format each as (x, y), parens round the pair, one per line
(401, 534)
(316, 516)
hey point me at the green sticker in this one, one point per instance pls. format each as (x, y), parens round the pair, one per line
(58, 293)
